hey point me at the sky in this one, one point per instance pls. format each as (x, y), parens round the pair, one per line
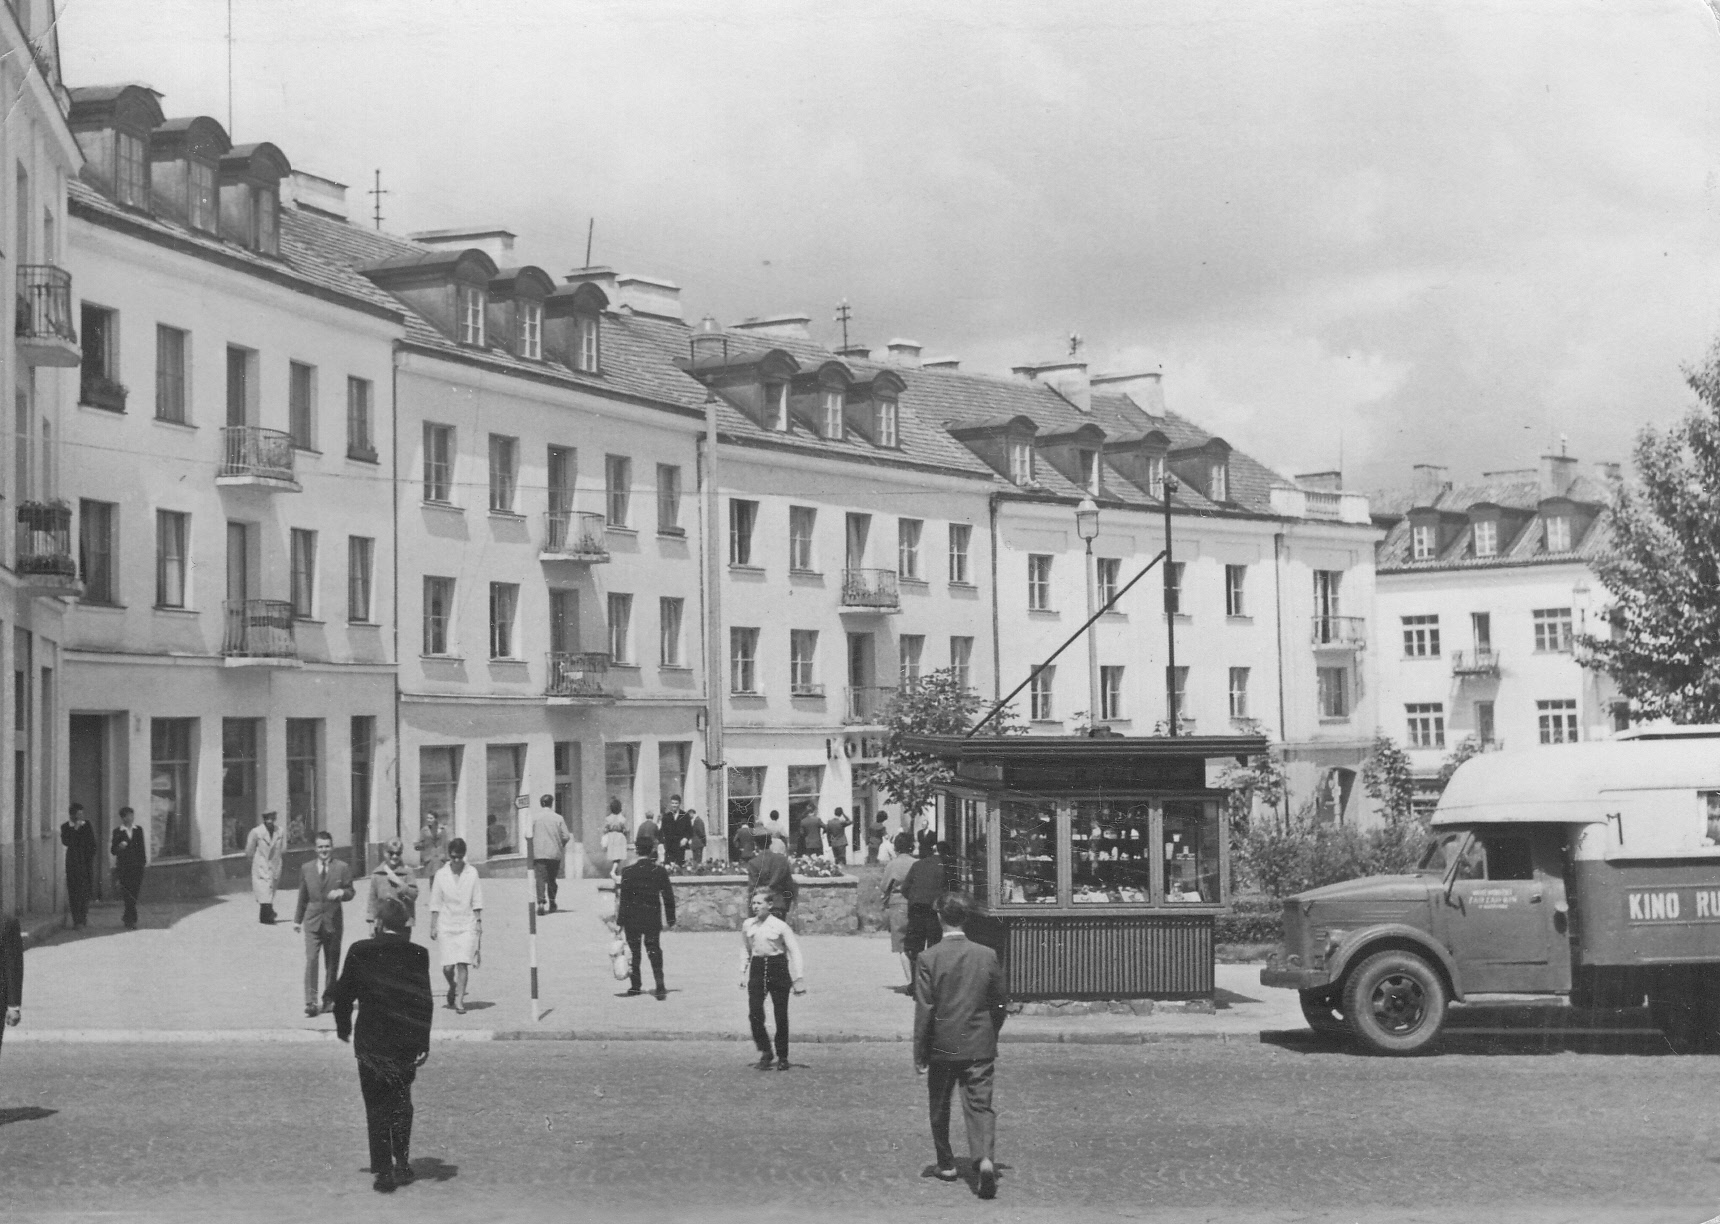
(1375, 233)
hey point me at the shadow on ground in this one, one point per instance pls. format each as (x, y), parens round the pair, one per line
(25, 1113)
(105, 919)
(1494, 1030)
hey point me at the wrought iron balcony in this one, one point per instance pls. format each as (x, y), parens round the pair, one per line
(577, 674)
(870, 590)
(1341, 632)
(574, 535)
(46, 564)
(44, 330)
(261, 630)
(255, 457)
(867, 705)
(1475, 663)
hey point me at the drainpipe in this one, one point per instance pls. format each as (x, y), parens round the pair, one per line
(1278, 619)
(996, 648)
(394, 484)
(716, 768)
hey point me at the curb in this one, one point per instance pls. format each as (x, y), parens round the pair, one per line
(326, 1036)
(38, 931)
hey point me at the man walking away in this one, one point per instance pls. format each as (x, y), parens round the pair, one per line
(643, 896)
(921, 888)
(549, 842)
(836, 832)
(771, 871)
(742, 842)
(388, 977)
(78, 836)
(324, 883)
(130, 855)
(697, 836)
(811, 835)
(958, 1010)
(11, 972)
(264, 846)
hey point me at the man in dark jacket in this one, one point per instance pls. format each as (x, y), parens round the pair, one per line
(129, 859)
(958, 1010)
(78, 836)
(921, 888)
(389, 978)
(674, 832)
(770, 870)
(11, 972)
(811, 834)
(642, 898)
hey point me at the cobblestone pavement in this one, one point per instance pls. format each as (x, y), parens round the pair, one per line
(687, 1130)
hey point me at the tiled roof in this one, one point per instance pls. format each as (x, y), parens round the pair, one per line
(1514, 490)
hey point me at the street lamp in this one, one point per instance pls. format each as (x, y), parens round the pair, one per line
(1171, 594)
(1087, 527)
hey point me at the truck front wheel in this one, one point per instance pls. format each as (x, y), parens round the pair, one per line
(1395, 1002)
(1320, 1008)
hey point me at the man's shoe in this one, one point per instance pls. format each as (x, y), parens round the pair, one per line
(403, 1175)
(552, 907)
(384, 1183)
(631, 991)
(661, 993)
(328, 1005)
(541, 910)
(947, 1173)
(765, 1062)
(782, 1064)
(312, 1011)
(987, 1180)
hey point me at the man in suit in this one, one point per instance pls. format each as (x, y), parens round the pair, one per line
(921, 888)
(811, 834)
(129, 858)
(771, 870)
(549, 842)
(643, 897)
(11, 972)
(78, 836)
(674, 832)
(958, 1009)
(389, 978)
(324, 883)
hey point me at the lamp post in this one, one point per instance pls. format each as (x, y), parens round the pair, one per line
(1580, 605)
(1170, 617)
(1087, 527)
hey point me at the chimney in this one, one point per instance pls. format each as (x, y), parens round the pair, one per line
(948, 365)
(1146, 389)
(1321, 482)
(1068, 377)
(493, 241)
(904, 353)
(319, 195)
(1557, 473)
(604, 278)
(646, 295)
(793, 326)
(855, 352)
(1429, 483)
(1612, 473)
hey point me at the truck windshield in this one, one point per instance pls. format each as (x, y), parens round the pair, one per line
(1441, 852)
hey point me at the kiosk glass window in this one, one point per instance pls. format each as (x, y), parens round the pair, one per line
(1110, 847)
(1029, 853)
(965, 821)
(1191, 853)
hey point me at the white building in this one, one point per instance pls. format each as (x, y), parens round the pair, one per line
(1481, 589)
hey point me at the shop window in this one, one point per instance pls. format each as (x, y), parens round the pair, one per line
(504, 770)
(361, 735)
(672, 758)
(620, 764)
(172, 811)
(966, 821)
(1110, 848)
(746, 793)
(1191, 853)
(1029, 854)
(438, 785)
(241, 740)
(304, 780)
(804, 784)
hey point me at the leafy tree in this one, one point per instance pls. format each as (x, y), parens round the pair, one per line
(1262, 780)
(1387, 779)
(938, 703)
(1662, 567)
(1468, 747)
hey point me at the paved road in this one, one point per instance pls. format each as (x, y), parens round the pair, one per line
(687, 1130)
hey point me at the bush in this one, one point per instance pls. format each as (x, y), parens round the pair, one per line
(1282, 858)
(1248, 928)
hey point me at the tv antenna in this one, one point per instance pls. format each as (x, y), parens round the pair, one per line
(1075, 343)
(376, 193)
(843, 315)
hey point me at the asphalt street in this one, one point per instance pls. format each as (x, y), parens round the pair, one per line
(688, 1130)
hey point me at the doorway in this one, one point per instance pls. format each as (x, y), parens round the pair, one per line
(88, 784)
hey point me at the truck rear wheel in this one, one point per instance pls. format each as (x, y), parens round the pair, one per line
(1320, 1009)
(1395, 1002)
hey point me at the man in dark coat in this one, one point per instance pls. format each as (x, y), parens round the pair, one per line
(129, 859)
(642, 898)
(11, 972)
(811, 834)
(921, 888)
(388, 977)
(674, 832)
(78, 836)
(742, 842)
(958, 1009)
(769, 870)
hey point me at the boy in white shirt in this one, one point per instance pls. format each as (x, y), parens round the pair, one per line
(771, 964)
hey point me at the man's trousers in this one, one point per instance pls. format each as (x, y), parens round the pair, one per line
(387, 1087)
(975, 1080)
(326, 944)
(769, 975)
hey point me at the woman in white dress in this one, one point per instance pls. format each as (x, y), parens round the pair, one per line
(457, 920)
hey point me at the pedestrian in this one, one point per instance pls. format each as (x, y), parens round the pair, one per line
(614, 841)
(697, 836)
(457, 921)
(388, 977)
(927, 841)
(264, 846)
(836, 832)
(392, 879)
(778, 830)
(876, 831)
(896, 906)
(958, 1010)
(770, 964)
(325, 884)
(771, 871)
(644, 897)
(431, 845)
(673, 832)
(549, 840)
(922, 885)
(11, 972)
(742, 845)
(811, 834)
(130, 855)
(78, 836)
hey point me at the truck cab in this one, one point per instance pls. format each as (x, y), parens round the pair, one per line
(1588, 871)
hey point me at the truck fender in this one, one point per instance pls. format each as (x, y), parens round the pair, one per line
(1393, 934)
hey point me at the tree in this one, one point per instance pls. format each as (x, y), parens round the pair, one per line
(1262, 779)
(1468, 747)
(1662, 567)
(1387, 779)
(938, 703)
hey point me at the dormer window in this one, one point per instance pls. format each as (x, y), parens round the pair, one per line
(1021, 462)
(131, 170)
(267, 226)
(202, 201)
(112, 125)
(530, 316)
(885, 434)
(1089, 461)
(1218, 482)
(1559, 534)
(1423, 542)
(833, 413)
(1156, 476)
(469, 315)
(585, 343)
(776, 406)
(250, 194)
(1487, 538)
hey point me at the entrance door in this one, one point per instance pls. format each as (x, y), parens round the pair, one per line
(88, 753)
(1505, 914)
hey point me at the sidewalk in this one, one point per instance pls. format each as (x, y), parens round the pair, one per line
(207, 970)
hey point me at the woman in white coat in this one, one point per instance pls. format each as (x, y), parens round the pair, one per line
(457, 920)
(264, 846)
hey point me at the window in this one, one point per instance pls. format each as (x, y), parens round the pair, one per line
(910, 647)
(97, 539)
(202, 195)
(241, 770)
(172, 810)
(1089, 466)
(1421, 637)
(620, 629)
(1110, 693)
(99, 384)
(1038, 583)
(504, 473)
(669, 500)
(1481, 625)
(801, 522)
(131, 170)
(1174, 588)
(743, 660)
(1236, 590)
(1559, 533)
(304, 573)
(776, 406)
(1557, 721)
(961, 535)
(746, 790)
(743, 516)
(1334, 691)
(360, 556)
(170, 344)
(673, 757)
(172, 534)
(267, 221)
(530, 339)
(803, 663)
(1484, 723)
(832, 413)
(1039, 707)
(1218, 482)
(1239, 692)
(620, 768)
(565, 757)
(438, 615)
(618, 488)
(438, 463)
(1426, 724)
(1422, 542)
(886, 423)
(439, 784)
(804, 784)
(1552, 630)
(1487, 538)
(301, 392)
(469, 321)
(504, 606)
(585, 350)
(241, 365)
(1156, 476)
(1178, 690)
(504, 771)
(304, 780)
(361, 739)
(1030, 853)
(670, 611)
(908, 549)
(961, 661)
(1107, 573)
(563, 621)
(360, 440)
(1021, 462)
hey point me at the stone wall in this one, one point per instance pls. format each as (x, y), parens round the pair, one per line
(719, 903)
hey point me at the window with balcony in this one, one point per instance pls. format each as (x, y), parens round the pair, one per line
(670, 612)
(961, 661)
(1110, 693)
(438, 463)
(1039, 704)
(1557, 721)
(529, 318)
(1559, 533)
(360, 436)
(172, 538)
(1552, 630)
(885, 424)
(241, 385)
(743, 518)
(669, 500)
(360, 573)
(504, 609)
(1421, 637)
(908, 549)
(301, 406)
(504, 473)
(303, 545)
(1239, 692)
(1236, 590)
(98, 548)
(743, 660)
(802, 522)
(1426, 724)
(910, 648)
(469, 302)
(620, 609)
(1107, 577)
(170, 360)
(617, 489)
(1333, 684)
(803, 663)
(438, 615)
(1487, 538)
(1038, 583)
(98, 379)
(1423, 542)
(961, 537)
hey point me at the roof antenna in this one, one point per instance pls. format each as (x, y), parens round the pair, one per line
(1075, 343)
(1564, 445)
(843, 314)
(590, 228)
(229, 69)
(377, 192)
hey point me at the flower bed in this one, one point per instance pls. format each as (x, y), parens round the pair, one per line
(805, 867)
(706, 902)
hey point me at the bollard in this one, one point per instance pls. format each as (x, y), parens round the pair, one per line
(531, 940)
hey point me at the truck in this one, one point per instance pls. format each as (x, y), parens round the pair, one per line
(1588, 872)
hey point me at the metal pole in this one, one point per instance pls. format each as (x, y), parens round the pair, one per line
(1170, 617)
(531, 941)
(716, 769)
(1093, 711)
